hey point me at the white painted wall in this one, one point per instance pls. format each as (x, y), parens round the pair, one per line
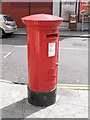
(56, 7)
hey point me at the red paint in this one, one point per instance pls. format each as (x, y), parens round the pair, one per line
(16, 12)
(41, 7)
(83, 6)
(42, 70)
(19, 9)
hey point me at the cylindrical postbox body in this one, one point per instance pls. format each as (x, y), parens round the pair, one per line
(43, 43)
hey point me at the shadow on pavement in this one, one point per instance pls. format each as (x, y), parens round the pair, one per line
(21, 109)
(61, 38)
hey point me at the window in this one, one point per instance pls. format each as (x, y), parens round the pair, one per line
(8, 18)
(67, 8)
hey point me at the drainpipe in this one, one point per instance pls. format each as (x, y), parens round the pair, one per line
(29, 7)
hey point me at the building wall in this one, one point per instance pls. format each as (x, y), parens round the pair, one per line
(41, 7)
(56, 7)
(16, 10)
(0, 7)
(64, 25)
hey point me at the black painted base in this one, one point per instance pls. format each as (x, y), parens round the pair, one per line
(42, 98)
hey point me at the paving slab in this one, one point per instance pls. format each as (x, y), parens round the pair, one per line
(69, 103)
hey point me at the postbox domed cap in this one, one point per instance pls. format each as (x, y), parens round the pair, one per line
(42, 19)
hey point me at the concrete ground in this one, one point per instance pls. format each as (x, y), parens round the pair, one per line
(72, 101)
(69, 103)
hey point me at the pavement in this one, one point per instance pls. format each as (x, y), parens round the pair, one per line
(64, 33)
(70, 103)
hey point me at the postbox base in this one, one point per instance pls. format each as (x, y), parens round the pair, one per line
(42, 98)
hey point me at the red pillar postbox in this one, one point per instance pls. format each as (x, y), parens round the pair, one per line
(43, 43)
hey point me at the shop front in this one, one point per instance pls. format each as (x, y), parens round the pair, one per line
(71, 11)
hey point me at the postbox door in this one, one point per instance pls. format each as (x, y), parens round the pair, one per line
(48, 59)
